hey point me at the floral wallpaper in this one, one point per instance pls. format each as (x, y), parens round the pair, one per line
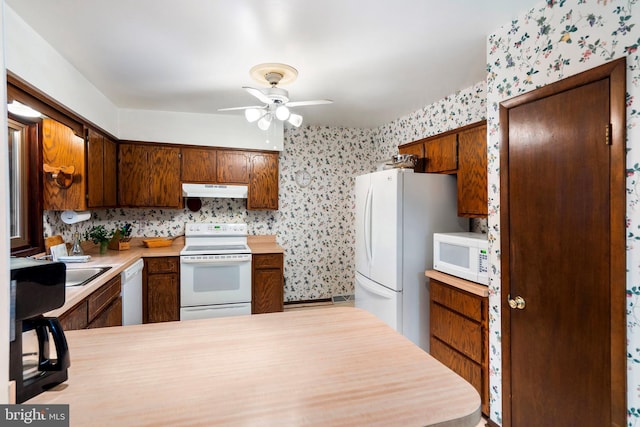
(557, 39)
(314, 224)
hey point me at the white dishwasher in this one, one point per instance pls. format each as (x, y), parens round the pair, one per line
(131, 293)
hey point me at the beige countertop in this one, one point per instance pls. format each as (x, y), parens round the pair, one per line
(309, 367)
(465, 285)
(119, 260)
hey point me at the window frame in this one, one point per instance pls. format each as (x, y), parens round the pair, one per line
(34, 244)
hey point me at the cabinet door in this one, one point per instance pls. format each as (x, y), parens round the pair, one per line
(76, 318)
(110, 316)
(95, 169)
(163, 304)
(199, 165)
(418, 151)
(263, 182)
(149, 176)
(133, 176)
(101, 171)
(442, 154)
(110, 174)
(267, 283)
(61, 147)
(232, 167)
(472, 172)
(164, 170)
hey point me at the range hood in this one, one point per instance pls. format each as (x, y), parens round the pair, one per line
(215, 191)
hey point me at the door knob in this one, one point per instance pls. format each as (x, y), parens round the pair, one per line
(518, 302)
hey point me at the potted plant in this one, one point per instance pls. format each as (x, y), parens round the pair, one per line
(100, 236)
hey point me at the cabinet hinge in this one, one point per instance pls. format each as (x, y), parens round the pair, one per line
(607, 134)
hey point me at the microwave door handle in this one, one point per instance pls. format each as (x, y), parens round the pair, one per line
(367, 224)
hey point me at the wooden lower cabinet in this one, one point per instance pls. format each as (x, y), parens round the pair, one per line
(100, 309)
(267, 283)
(161, 289)
(460, 335)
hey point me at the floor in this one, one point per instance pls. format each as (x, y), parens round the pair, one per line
(315, 305)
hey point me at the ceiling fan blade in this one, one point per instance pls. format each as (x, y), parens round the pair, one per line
(258, 94)
(240, 108)
(303, 103)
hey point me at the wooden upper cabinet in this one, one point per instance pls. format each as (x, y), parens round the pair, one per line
(441, 154)
(472, 172)
(263, 181)
(232, 167)
(149, 176)
(62, 147)
(166, 189)
(101, 171)
(418, 150)
(199, 165)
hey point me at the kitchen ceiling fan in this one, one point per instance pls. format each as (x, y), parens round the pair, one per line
(276, 100)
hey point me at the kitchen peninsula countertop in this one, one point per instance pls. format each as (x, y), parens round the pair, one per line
(120, 260)
(308, 367)
(465, 285)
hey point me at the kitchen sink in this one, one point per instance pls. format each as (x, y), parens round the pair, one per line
(82, 276)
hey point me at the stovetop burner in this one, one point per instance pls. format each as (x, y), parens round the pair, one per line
(215, 239)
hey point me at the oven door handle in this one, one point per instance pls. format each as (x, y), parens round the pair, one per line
(185, 260)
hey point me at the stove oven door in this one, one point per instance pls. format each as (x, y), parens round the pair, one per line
(209, 280)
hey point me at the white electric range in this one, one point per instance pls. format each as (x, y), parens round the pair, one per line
(215, 271)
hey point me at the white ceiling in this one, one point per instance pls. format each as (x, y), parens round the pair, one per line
(376, 59)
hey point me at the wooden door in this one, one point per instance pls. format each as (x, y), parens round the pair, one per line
(232, 167)
(110, 184)
(563, 250)
(164, 170)
(263, 182)
(133, 175)
(199, 165)
(441, 154)
(472, 172)
(95, 169)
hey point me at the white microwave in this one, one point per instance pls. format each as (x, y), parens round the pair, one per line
(464, 255)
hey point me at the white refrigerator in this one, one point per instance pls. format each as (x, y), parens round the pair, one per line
(397, 212)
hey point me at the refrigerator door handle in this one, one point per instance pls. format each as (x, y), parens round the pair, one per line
(367, 224)
(377, 290)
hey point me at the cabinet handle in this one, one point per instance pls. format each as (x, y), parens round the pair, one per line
(517, 303)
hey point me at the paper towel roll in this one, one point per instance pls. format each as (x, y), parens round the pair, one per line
(71, 217)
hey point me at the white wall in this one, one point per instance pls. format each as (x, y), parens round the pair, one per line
(217, 130)
(4, 227)
(35, 61)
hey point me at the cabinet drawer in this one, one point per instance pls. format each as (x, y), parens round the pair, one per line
(457, 331)
(465, 367)
(268, 261)
(162, 265)
(100, 299)
(455, 300)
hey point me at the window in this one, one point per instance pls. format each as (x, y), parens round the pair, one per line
(25, 187)
(18, 177)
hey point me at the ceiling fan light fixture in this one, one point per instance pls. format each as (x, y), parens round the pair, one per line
(265, 122)
(253, 114)
(295, 119)
(282, 112)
